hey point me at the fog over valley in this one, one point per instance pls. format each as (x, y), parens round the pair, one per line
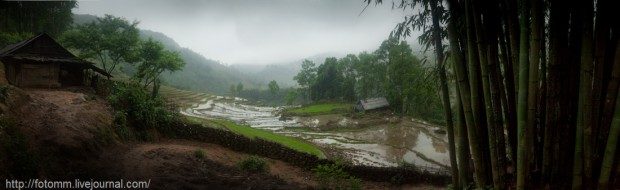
(259, 32)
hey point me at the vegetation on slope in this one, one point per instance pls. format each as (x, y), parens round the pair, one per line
(320, 109)
(247, 131)
(392, 71)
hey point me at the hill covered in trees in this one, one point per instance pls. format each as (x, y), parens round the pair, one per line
(199, 73)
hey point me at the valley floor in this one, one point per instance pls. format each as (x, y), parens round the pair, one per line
(70, 132)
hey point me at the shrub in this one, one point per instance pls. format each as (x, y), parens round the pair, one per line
(199, 153)
(4, 91)
(23, 163)
(332, 176)
(253, 164)
(141, 110)
(120, 125)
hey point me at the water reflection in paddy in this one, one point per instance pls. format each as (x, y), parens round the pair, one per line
(382, 145)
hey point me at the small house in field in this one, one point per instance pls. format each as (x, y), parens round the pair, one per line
(371, 104)
(42, 62)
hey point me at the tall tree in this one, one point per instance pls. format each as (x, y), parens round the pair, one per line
(52, 17)
(239, 87)
(306, 77)
(154, 60)
(273, 87)
(109, 40)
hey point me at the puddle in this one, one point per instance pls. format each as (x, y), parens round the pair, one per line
(380, 145)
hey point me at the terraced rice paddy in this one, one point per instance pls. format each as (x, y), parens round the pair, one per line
(183, 98)
(382, 144)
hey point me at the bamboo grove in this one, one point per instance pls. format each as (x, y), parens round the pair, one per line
(529, 89)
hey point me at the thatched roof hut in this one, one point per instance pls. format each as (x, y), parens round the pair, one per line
(42, 62)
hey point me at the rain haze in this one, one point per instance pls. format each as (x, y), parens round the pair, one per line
(259, 32)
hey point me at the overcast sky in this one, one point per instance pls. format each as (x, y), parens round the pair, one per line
(259, 31)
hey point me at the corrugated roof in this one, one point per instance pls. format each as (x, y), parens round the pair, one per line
(373, 103)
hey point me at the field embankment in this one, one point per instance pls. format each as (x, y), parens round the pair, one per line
(319, 109)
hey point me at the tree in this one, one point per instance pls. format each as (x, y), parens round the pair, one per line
(109, 40)
(306, 77)
(328, 82)
(154, 60)
(239, 88)
(52, 17)
(273, 87)
(370, 76)
(232, 90)
(291, 96)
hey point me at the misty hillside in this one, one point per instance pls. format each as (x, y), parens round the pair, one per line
(199, 73)
(204, 74)
(282, 73)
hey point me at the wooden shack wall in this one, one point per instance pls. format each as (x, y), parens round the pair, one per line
(71, 76)
(3, 74)
(38, 75)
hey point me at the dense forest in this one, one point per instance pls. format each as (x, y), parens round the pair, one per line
(544, 71)
(391, 71)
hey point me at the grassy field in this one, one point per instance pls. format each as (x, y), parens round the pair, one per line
(185, 98)
(320, 109)
(291, 142)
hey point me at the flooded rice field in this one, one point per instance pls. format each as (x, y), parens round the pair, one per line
(382, 142)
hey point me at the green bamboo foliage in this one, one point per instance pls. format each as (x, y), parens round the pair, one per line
(527, 100)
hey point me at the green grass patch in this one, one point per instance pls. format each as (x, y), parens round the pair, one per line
(320, 109)
(291, 142)
(199, 153)
(247, 131)
(203, 122)
(253, 164)
(333, 176)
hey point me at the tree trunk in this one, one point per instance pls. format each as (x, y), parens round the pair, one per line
(536, 26)
(522, 126)
(486, 88)
(583, 132)
(474, 128)
(445, 95)
(558, 40)
(462, 143)
(509, 102)
(610, 149)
